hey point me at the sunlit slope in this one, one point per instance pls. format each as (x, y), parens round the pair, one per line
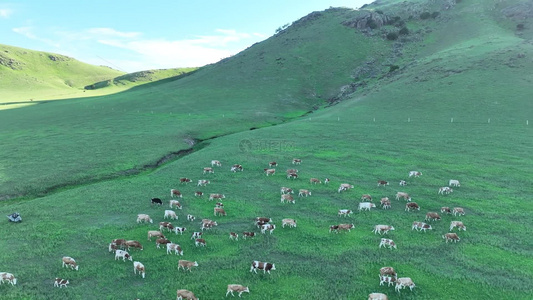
(36, 75)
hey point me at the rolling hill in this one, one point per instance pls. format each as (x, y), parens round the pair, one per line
(442, 87)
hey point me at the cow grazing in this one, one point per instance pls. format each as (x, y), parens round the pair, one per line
(272, 164)
(179, 230)
(326, 180)
(377, 296)
(209, 222)
(237, 288)
(289, 222)
(403, 183)
(166, 225)
(208, 170)
(175, 203)
(216, 196)
(402, 282)
(289, 171)
(287, 198)
(161, 241)
(248, 234)
(174, 247)
(403, 195)
(451, 236)
(303, 192)
(386, 279)
(286, 190)
(175, 193)
(200, 242)
(196, 234)
(366, 197)
(421, 226)
(190, 218)
(152, 233)
(265, 266)
(454, 182)
(219, 205)
(219, 211)
(203, 182)
(385, 203)
(292, 176)
(119, 243)
(387, 271)
(144, 218)
(206, 226)
(170, 214)
(112, 247)
(334, 228)
(315, 180)
(185, 180)
(216, 163)
(156, 201)
(123, 254)
(432, 216)
(236, 168)
(185, 294)
(296, 161)
(263, 219)
(198, 194)
(344, 187)
(457, 224)
(70, 262)
(445, 210)
(415, 174)
(186, 264)
(445, 190)
(366, 206)
(233, 236)
(387, 243)
(137, 266)
(411, 206)
(269, 227)
(10, 278)
(134, 244)
(270, 171)
(382, 229)
(382, 183)
(348, 227)
(59, 282)
(458, 211)
(345, 212)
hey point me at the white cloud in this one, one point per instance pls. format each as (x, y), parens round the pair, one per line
(112, 32)
(28, 32)
(5, 13)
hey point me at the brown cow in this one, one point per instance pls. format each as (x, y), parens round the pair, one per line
(237, 288)
(265, 266)
(248, 234)
(236, 168)
(387, 271)
(219, 211)
(457, 224)
(59, 282)
(382, 183)
(233, 236)
(166, 225)
(451, 236)
(304, 192)
(200, 242)
(348, 227)
(315, 180)
(161, 241)
(185, 180)
(134, 244)
(270, 171)
(432, 216)
(411, 205)
(458, 211)
(186, 264)
(403, 195)
(286, 190)
(272, 164)
(296, 161)
(208, 170)
(366, 197)
(287, 198)
(70, 262)
(445, 210)
(385, 203)
(185, 294)
(175, 193)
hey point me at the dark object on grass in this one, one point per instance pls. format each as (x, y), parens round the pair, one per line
(14, 217)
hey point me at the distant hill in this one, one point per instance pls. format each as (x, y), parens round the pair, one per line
(41, 75)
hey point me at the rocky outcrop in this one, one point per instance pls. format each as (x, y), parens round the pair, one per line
(369, 19)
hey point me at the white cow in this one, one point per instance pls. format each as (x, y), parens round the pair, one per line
(366, 206)
(454, 182)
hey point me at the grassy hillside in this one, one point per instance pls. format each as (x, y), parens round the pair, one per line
(36, 75)
(455, 110)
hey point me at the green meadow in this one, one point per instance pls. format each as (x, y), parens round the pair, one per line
(80, 170)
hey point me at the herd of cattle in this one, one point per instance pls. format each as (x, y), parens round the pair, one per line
(120, 247)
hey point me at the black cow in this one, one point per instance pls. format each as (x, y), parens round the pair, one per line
(156, 201)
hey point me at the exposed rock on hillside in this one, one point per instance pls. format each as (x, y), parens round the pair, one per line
(519, 12)
(369, 19)
(10, 63)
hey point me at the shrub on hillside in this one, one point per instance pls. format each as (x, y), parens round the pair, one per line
(425, 15)
(372, 24)
(393, 68)
(404, 31)
(520, 26)
(391, 36)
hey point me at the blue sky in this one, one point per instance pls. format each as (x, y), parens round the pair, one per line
(139, 35)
